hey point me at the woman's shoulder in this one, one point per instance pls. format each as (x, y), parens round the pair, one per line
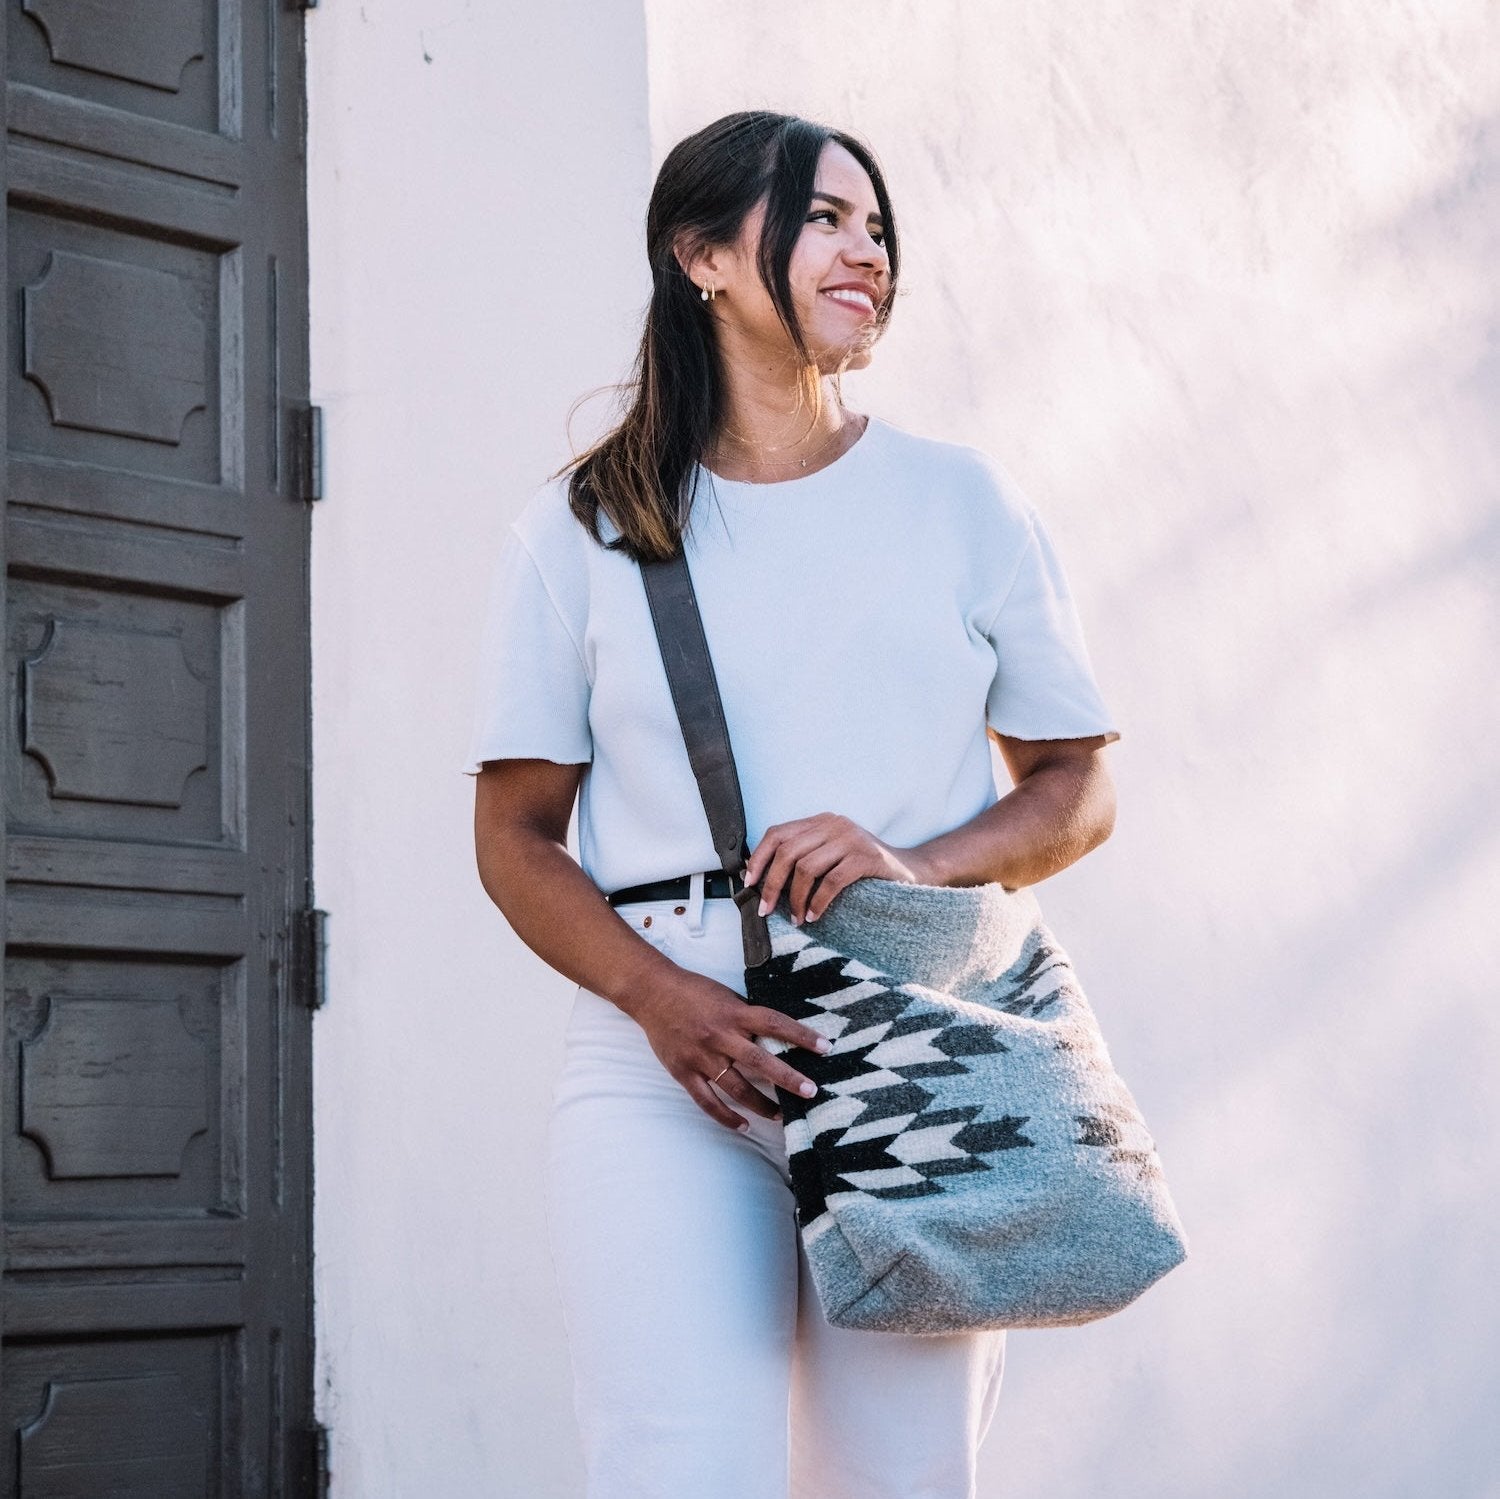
(967, 476)
(552, 531)
(546, 522)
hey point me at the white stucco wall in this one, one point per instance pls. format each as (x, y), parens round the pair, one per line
(1215, 283)
(475, 182)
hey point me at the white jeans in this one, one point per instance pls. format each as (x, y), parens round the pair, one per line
(703, 1365)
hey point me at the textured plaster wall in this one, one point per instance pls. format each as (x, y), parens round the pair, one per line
(1217, 284)
(475, 181)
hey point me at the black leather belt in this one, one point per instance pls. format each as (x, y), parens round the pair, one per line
(716, 882)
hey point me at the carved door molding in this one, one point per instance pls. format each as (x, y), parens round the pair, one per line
(155, 1167)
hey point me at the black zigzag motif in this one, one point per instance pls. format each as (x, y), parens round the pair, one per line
(1108, 1124)
(1145, 1162)
(1093, 1130)
(1025, 1001)
(968, 1041)
(874, 1009)
(994, 1134)
(805, 991)
(921, 1148)
(893, 1102)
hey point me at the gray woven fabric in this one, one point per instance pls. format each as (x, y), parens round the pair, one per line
(972, 1159)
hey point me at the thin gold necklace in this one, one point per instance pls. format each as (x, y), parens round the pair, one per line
(801, 462)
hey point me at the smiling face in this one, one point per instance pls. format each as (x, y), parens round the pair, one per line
(839, 274)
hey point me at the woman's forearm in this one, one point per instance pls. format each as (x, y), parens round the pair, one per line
(561, 915)
(1051, 819)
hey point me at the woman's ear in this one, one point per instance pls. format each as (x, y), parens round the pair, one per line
(699, 262)
(687, 254)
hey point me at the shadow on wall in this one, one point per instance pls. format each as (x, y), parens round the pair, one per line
(1318, 856)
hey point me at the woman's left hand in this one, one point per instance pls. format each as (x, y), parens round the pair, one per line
(830, 851)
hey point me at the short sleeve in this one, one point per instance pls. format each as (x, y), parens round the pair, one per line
(531, 688)
(1044, 685)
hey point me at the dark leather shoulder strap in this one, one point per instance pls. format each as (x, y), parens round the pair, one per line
(695, 695)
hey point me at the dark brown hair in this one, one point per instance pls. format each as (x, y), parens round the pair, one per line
(640, 474)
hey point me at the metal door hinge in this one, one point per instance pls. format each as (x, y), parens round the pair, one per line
(307, 452)
(312, 957)
(313, 1479)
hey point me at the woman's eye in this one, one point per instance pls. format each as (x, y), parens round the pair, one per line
(878, 235)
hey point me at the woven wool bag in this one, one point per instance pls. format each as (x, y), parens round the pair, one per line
(971, 1159)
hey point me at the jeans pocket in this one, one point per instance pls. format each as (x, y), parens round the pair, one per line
(654, 921)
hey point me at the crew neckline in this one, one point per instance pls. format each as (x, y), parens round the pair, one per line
(800, 481)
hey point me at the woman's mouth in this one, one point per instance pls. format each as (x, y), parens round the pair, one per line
(856, 301)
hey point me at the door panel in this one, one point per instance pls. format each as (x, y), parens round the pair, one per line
(155, 1154)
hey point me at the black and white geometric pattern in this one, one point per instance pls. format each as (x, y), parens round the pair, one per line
(971, 1158)
(873, 1127)
(872, 1119)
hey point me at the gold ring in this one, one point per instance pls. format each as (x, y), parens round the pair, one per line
(720, 1073)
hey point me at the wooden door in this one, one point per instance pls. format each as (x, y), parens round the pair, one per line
(155, 1167)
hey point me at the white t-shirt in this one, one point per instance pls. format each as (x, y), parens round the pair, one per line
(866, 621)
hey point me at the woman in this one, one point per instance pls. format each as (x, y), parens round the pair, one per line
(875, 603)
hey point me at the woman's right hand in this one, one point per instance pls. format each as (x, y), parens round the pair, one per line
(696, 1024)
